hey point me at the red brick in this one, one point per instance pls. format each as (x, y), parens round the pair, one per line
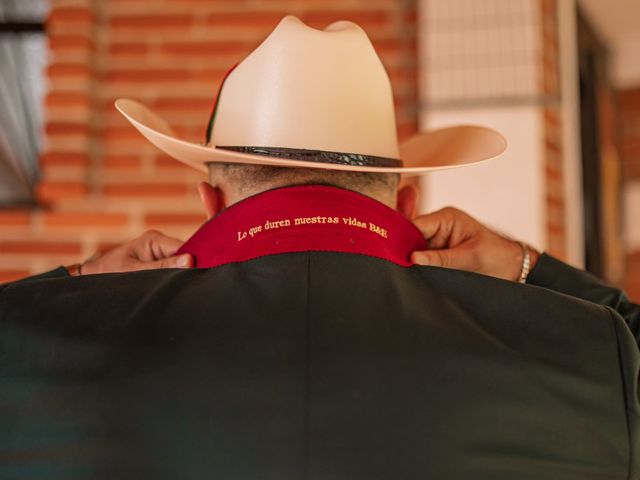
(147, 76)
(404, 76)
(64, 159)
(183, 104)
(366, 19)
(85, 219)
(556, 203)
(120, 133)
(631, 147)
(128, 49)
(410, 15)
(245, 20)
(69, 43)
(196, 134)
(145, 190)
(69, 70)
(7, 276)
(15, 218)
(633, 291)
(388, 46)
(151, 22)
(553, 173)
(70, 15)
(121, 162)
(203, 49)
(67, 99)
(48, 191)
(159, 219)
(555, 229)
(201, 3)
(165, 161)
(405, 130)
(133, 142)
(548, 8)
(551, 118)
(106, 246)
(552, 146)
(35, 247)
(632, 281)
(59, 128)
(629, 97)
(212, 77)
(631, 170)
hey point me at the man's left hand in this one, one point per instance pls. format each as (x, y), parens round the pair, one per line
(457, 240)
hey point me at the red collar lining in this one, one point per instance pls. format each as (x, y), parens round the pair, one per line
(304, 218)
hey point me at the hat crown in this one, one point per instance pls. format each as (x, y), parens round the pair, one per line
(310, 89)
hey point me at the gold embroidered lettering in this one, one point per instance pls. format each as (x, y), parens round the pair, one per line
(353, 222)
(377, 229)
(271, 224)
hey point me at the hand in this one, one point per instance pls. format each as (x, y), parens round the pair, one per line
(457, 240)
(150, 250)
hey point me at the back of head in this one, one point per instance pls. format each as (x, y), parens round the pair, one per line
(245, 180)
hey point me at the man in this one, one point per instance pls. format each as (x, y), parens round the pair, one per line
(455, 239)
(305, 344)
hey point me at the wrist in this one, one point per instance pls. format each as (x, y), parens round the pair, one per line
(74, 270)
(535, 256)
(528, 259)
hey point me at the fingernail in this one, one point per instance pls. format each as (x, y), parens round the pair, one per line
(418, 259)
(184, 260)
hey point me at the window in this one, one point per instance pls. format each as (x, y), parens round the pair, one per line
(22, 61)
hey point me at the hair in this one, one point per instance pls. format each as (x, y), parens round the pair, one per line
(248, 179)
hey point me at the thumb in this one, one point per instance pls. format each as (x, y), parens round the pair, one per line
(436, 258)
(460, 258)
(184, 260)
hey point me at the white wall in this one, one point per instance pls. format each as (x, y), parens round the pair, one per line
(507, 192)
(479, 63)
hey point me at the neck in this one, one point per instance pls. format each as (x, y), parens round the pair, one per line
(238, 195)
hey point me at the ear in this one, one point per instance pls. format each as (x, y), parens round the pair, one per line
(212, 199)
(407, 200)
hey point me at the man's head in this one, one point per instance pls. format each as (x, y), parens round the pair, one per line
(232, 182)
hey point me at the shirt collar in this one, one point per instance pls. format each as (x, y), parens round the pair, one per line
(304, 218)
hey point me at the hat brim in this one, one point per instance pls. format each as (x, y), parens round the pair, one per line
(424, 152)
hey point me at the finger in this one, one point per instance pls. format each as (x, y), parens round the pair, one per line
(164, 246)
(458, 258)
(441, 239)
(184, 260)
(434, 258)
(155, 245)
(436, 228)
(429, 224)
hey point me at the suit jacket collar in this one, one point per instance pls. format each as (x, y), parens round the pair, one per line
(304, 218)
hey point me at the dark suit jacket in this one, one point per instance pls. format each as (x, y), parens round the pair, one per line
(318, 365)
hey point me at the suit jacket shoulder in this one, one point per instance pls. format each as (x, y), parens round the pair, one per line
(315, 364)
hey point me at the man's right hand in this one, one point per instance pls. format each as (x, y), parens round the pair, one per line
(150, 250)
(457, 240)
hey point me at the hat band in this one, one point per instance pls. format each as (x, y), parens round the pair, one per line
(319, 156)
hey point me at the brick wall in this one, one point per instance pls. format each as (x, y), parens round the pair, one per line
(629, 108)
(552, 130)
(102, 183)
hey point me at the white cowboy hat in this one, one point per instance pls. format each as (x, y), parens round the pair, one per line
(315, 99)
